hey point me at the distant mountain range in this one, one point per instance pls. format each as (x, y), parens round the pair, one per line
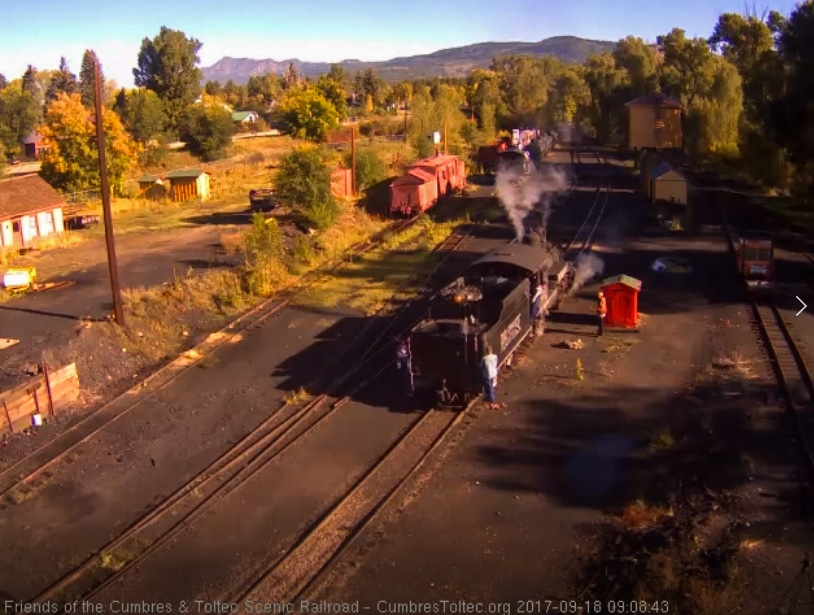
(454, 62)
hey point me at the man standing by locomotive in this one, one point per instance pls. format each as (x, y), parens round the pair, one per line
(538, 299)
(601, 311)
(488, 366)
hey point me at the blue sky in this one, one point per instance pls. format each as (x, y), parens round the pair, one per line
(325, 30)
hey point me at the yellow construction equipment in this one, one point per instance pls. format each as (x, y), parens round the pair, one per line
(20, 279)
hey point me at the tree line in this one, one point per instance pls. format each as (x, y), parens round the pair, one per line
(745, 91)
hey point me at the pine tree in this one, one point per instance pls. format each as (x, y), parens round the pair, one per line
(86, 75)
(120, 104)
(30, 81)
(292, 77)
(63, 81)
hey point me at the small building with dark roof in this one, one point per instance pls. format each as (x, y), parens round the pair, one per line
(189, 184)
(654, 122)
(152, 187)
(33, 145)
(29, 209)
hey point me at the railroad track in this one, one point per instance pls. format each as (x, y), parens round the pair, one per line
(790, 368)
(305, 563)
(582, 239)
(281, 431)
(323, 542)
(33, 466)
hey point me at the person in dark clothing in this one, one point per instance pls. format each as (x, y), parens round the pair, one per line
(404, 366)
(445, 397)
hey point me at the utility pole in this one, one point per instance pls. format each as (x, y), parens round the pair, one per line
(353, 157)
(405, 120)
(112, 265)
(445, 137)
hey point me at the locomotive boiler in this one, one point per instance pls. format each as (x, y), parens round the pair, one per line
(490, 304)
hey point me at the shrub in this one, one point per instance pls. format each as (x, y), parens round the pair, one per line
(303, 183)
(369, 168)
(208, 130)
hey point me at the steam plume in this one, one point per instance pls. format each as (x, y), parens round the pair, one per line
(521, 194)
(588, 267)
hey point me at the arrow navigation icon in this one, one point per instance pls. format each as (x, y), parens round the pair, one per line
(804, 305)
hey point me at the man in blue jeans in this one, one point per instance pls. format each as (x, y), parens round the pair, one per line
(489, 373)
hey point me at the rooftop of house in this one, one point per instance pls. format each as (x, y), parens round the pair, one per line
(185, 174)
(27, 194)
(242, 116)
(655, 100)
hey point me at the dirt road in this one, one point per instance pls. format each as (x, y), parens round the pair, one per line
(144, 260)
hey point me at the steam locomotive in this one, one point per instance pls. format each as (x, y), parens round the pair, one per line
(490, 304)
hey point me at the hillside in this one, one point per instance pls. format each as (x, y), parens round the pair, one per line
(454, 62)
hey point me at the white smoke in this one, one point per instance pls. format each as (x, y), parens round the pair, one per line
(521, 194)
(588, 267)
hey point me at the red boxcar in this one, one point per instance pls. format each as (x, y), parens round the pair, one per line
(413, 192)
(424, 182)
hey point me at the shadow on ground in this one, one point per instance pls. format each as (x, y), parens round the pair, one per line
(588, 451)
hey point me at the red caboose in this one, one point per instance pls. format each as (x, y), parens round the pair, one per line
(424, 182)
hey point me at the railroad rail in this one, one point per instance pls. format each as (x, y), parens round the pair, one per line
(22, 472)
(287, 578)
(790, 368)
(582, 239)
(323, 542)
(302, 566)
(282, 430)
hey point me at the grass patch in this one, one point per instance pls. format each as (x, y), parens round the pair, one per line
(614, 344)
(640, 515)
(119, 558)
(292, 398)
(370, 282)
(10, 257)
(793, 212)
(660, 441)
(143, 215)
(159, 318)
(734, 364)
(26, 491)
(579, 371)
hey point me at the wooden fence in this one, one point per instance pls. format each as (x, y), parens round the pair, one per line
(47, 395)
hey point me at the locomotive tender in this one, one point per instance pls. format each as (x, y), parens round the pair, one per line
(489, 304)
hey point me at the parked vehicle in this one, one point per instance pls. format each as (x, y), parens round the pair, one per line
(262, 199)
(75, 223)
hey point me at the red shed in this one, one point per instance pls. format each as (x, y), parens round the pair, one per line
(413, 192)
(622, 295)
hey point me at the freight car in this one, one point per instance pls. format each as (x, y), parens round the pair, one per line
(489, 304)
(755, 252)
(424, 182)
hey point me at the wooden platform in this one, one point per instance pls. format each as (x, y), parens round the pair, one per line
(47, 394)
